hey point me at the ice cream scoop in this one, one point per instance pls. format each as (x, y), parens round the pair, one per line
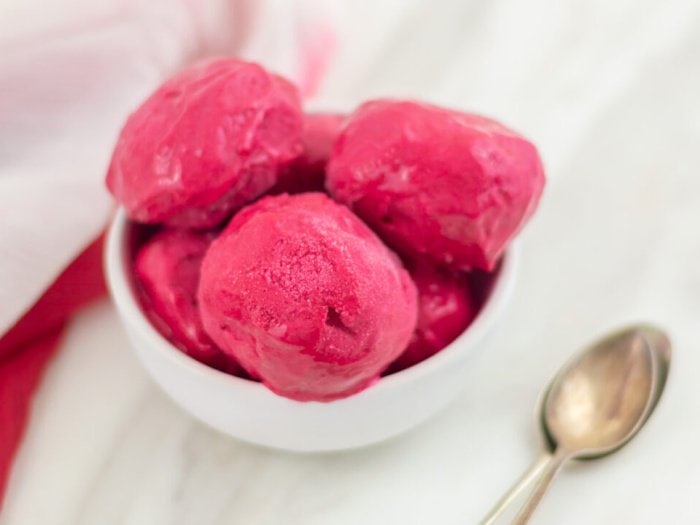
(308, 171)
(306, 297)
(166, 268)
(446, 306)
(209, 140)
(434, 182)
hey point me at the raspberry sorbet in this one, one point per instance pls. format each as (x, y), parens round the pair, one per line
(435, 182)
(208, 141)
(306, 297)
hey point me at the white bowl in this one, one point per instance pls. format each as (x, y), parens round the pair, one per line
(249, 411)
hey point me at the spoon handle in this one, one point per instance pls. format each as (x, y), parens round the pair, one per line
(523, 482)
(550, 470)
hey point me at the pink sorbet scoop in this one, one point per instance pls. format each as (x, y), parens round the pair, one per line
(306, 297)
(308, 171)
(167, 272)
(446, 307)
(208, 141)
(434, 182)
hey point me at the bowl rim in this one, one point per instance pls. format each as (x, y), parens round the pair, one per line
(126, 302)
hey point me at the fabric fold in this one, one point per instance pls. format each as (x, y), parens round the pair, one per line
(29, 345)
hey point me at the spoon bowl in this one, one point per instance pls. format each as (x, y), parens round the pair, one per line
(603, 396)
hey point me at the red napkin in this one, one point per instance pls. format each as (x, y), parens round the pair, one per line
(31, 342)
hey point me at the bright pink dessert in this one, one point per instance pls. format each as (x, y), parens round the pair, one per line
(306, 297)
(446, 307)
(434, 182)
(308, 171)
(208, 141)
(167, 272)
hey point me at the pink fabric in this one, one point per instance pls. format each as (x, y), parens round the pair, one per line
(32, 341)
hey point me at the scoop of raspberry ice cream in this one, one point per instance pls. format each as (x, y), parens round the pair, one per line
(166, 268)
(209, 140)
(446, 307)
(308, 171)
(306, 297)
(434, 182)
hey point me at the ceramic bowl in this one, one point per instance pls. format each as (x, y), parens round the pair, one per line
(249, 411)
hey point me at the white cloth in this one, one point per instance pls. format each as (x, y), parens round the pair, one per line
(70, 72)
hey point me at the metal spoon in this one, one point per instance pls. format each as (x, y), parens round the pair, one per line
(595, 404)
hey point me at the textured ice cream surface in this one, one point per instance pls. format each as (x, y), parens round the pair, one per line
(306, 297)
(308, 171)
(206, 142)
(166, 268)
(434, 182)
(446, 307)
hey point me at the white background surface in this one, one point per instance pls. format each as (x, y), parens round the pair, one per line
(609, 92)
